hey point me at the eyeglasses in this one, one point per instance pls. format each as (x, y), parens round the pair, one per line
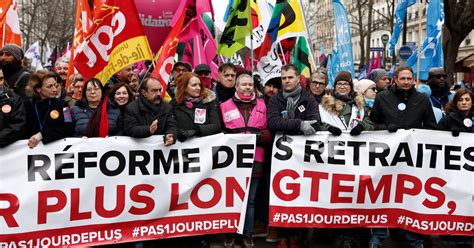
(343, 84)
(316, 83)
(6, 53)
(439, 76)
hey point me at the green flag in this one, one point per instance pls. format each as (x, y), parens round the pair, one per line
(302, 57)
(239, 26)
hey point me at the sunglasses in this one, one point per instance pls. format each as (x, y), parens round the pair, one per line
(439, 76)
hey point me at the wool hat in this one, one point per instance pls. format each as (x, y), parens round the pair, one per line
(344, 76)
(377, 74)
(362, 85)
(276, 81)
(15, 50)
(202, 68)
(185, 64)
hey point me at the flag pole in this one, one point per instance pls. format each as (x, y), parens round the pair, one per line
(3, 35)
(281, 49)
(418, 46)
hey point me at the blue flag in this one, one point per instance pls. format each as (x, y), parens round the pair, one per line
(400, 14)
(343, 38)
(363, 73)
(228, 10)
(333, 68)
(431, 54)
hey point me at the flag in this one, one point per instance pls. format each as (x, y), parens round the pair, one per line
(47, 54)
(33, 53)
(302, 57)
(9, 23)
(333, 68)
(269, 66)
(228, 10)
(67, 51)
(261, 15)
(54, 56)
(378, 62)
(127, 43)
(292, 22)
(431, 54)
(239, 25)
(322, 55)
(187, 55)
(165, 56)
(372, 62)
(363, 73)
(400, 13)
(272, 30)
(343, 38)
(205, 6)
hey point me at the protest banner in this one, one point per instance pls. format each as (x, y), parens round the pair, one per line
(82, 192)
(418, 180)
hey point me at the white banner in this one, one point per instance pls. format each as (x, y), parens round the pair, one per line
(419, 180)
(81, 192)
(269, 66)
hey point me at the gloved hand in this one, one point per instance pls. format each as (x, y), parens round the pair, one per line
(334, 130)
(316, 126)
(185, 134)
(392, 128)
(306, 127)
(357, 129)
(455, 131)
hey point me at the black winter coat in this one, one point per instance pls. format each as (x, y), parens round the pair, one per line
(138, 118)
(12, 118)
(185, 117)
(455, 121)
(56, 116)
(418, 112)
(17, 79)
(306, 109)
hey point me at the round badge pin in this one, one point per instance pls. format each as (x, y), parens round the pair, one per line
(467, 122)
(54, 114)
(6, 108)
(402, 106)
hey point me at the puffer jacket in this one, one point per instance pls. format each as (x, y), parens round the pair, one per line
(455, 121)
(81, 114)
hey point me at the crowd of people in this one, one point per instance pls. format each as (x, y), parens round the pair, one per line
(38, 107)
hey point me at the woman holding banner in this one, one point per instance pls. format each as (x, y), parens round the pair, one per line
(47, 118)
(459, 113)
(94, 115)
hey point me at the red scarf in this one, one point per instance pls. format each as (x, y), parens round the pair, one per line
(104, 121)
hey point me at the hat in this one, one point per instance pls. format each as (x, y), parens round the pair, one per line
(362, 85)
(202, 68)
(377, 74)
(276, 81)
(344, 76)
(15, 50)
(181, 63)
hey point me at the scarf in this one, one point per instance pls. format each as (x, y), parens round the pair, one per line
(104, 120)
(150, 106)
(189, 102)
(291, 100)
(243, 98)
(224, 94)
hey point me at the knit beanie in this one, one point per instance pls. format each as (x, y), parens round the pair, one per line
(362, 85)
(377, 74)
(15, 50)
(344, 76)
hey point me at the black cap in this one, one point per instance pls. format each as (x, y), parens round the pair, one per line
(202, 68)
(276, 81)
(185, 64)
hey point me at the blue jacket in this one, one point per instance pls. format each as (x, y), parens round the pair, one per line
(81, 114)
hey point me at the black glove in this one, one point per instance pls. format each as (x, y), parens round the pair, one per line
(357, 129)
(334, 130)
(316, 126)
(455, 131)
(392, 128)
(185, 134)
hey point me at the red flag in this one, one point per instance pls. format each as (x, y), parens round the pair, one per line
(9, 23)
(165, 57)
(115, 40)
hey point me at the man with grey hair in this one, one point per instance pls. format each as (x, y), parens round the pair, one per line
(247, 113)
(61, 67)
(16, 76)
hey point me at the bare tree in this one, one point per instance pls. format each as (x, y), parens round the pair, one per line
(459, 22)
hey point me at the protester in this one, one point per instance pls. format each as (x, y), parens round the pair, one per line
(94, 116)
(204, 72)
(317, 85)
(344, 109)
(194, 108)
(459, 113)
(380, 77)
(77, 82)
(178, 68)
(121, 95)
(16, 76)
(47, 118)
(61, 67)
(149, 115)
(367, 88)
(122, 76)
(440, 91)
(134, 84)
(272, 86)
(12, 115)
(225, 87)
(292, 111)
(401, 106)
(246, 113)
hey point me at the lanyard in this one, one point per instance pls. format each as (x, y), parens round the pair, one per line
(41, 125)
